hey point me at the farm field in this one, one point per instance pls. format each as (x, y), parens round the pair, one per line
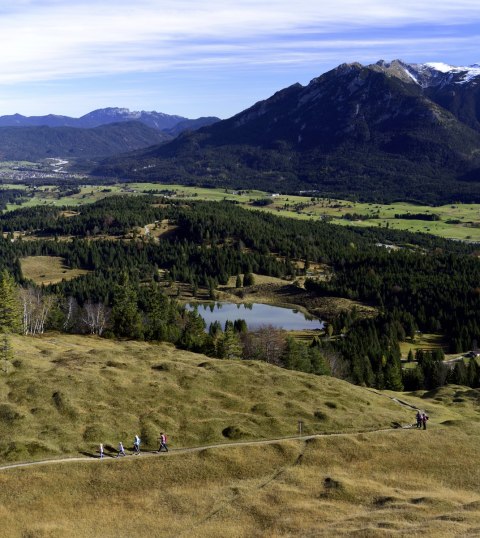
(455, 221)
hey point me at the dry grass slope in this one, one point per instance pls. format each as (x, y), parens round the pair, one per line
(48, 269)
(67, 392)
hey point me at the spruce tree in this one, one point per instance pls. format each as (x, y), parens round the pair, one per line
(9, 304)
(126, 320)
(248, 279)
(6, 351)
(230, 346)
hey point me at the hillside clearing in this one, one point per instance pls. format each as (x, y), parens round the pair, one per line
(48, 269)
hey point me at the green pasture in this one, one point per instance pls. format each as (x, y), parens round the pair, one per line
(457, 221)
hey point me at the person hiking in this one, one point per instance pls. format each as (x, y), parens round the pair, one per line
(163, 442)
(419, 419)
(121, 450)
(101, 451)
(424, 420)
(136, 445)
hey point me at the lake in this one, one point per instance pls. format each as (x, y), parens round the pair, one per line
(256, 315)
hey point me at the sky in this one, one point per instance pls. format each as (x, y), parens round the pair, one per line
(209, 57)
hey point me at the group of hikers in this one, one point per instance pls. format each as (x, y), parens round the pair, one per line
(136, 446)
(421, 419)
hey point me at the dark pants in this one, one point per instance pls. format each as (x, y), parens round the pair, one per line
(163, 445)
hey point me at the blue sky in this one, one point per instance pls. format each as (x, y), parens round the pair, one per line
(209, 57)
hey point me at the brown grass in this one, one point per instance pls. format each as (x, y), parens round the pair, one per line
(64, 394)
(399, 483)
(48, 269)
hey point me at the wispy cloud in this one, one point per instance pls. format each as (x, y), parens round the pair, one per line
(197, 57)
(45, 40)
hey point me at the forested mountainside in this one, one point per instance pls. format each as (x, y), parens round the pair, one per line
(35, 143)
(383, 131)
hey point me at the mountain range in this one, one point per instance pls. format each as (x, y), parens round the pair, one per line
(101, 133)
(170, 124)
(386, 130)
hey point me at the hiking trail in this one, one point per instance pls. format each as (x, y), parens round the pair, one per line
(186, 450)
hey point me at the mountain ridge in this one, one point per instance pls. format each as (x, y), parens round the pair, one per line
(104, 116)
(40, 142)
(366, 130)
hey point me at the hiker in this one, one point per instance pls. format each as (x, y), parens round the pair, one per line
(424, 420)
(419, 419)
(163, 442)
(101, 450)
(121, 450)
(136, 445)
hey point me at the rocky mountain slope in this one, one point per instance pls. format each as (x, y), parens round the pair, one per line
(385, 130)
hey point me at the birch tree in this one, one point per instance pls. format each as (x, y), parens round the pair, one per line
(95, 317)
(36, 307)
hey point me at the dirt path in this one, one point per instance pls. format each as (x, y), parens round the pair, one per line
(396, 400)
(85, 459)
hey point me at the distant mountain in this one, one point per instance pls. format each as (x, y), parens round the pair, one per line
(34, 143)
(105, 116)
(387, 130)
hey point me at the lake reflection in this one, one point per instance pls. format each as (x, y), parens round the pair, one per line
(255, 315)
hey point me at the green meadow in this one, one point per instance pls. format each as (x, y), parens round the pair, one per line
(455, 221)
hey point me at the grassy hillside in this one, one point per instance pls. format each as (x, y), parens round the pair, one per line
(65, 394)
(368, 485)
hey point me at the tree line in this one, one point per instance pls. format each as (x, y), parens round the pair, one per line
(427, 283)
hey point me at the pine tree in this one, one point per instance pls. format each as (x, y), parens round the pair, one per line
(126, 320)
(248, 279)
(6, 351)
(9, 304)
(229, 346)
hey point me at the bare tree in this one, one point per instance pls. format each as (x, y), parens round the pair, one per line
(266, 343)
(70, 308)
(35, 309)
(95, 316)
(338, 365)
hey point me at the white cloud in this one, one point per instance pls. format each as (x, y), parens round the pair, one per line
(48, 40)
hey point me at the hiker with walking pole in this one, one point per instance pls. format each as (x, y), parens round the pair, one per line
(163, 442)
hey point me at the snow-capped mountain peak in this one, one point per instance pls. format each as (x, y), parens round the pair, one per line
(442, 73)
